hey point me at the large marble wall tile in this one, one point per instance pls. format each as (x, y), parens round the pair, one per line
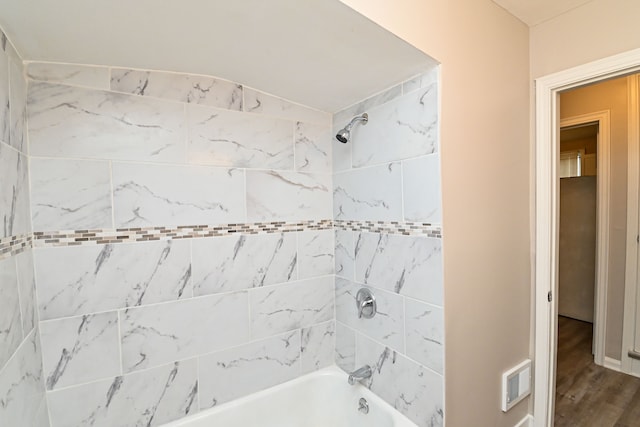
(342, 117)
(421, 189)
(259, 102)
(157, 334)
(281, 308)
(149, 398)
(27, 289)
(287, 196)
(229, 374)
(14, 192)
(18, 106)
(10, 320)
(373, 194)
(88, 279)
(318, 346)
(80, 349)
(5, 110)
(236, 262)
(22, 395)
(425, 334)
(66, 121)
(413, 390)
(229, 138)
(340, 153)
(315, 252)
(345, 253)
(70, 194)
(313, 147)
(178, 87)
(146, 195)
(408, 265)
(387, 326)
(420, 81)
(69, 74)
(345, 355)
(403, 128)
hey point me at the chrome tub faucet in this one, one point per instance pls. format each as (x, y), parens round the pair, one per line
(360, 374)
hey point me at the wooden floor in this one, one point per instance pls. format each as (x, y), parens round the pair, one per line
(587, 394)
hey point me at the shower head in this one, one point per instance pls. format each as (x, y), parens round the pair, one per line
(344, 134)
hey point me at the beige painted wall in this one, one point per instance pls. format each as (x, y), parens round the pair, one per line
(485, 179)
(595, 30)
(610, 95)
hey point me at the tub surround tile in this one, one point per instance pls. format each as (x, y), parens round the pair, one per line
(161, 333)
(413, 390)
(193, 89)
(69, 74)
(344, 253)
(425, 334)
(5, 110)
(14, 192)
(147, 195)
(230, 374)
(421, 81)
(340, 153)
(260, 102)
(18, 106)
(318, 346)
(239, 262)
(287, 196)
(27, 290)
(70, 194)
(315, 252)
(229, 138)
(80, 349)
(408, 265)
(291, 306)
(89, 279)
(401, 129)
(10, 320)
(373, 194)
(22, 395)
(148, 398)
(341, 118)
(387, 326)
(66, 121)
(313, 144)
(345, 354)
(421, 189)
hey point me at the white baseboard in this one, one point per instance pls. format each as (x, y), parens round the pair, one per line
(527, 421)
(613, 364)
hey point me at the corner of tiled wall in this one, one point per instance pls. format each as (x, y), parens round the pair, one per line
(387, 214)
(22, 393)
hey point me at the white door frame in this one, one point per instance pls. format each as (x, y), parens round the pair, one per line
(602, 224)
(547, 219)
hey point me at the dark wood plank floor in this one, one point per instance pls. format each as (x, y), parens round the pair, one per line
(587, 394)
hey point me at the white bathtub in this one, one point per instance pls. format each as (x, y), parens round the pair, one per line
(320, 399)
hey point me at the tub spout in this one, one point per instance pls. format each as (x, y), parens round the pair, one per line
(360, 374)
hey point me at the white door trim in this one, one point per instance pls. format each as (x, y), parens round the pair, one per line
(603, 118)
(629, 332)
(546, 215)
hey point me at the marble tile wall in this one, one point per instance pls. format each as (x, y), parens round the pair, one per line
(143, 332)
(22, 392)
(389, 172)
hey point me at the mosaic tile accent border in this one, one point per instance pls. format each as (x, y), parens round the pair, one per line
(391, 227)
(14, 245)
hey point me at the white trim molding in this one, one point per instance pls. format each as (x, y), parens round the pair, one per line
(614, 364)
(546, 216)
(525, 422)
(603, 118)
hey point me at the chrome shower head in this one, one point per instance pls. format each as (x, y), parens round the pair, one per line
(344, 134)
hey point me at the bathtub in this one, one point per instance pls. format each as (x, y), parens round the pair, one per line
(321, 399)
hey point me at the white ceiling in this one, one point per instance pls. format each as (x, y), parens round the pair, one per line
(533, 12)
(319, 53)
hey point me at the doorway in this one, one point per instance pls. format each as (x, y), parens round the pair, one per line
(547, 216)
